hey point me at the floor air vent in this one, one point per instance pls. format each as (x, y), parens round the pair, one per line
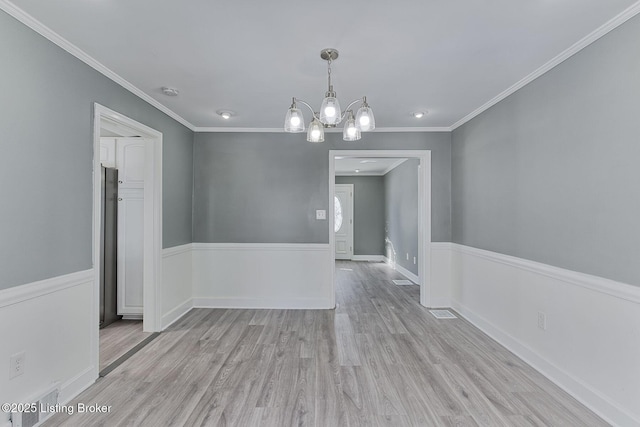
(39, 409)
(443, 314)
(403, 282)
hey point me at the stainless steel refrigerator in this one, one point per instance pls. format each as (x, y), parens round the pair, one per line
(109, 248)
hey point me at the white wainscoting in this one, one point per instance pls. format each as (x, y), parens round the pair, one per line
(440, 287)
(177, 283)
(591, 347)
(254, 275)
(53, 322)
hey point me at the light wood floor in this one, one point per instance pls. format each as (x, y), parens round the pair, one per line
(118, 338)
(378, 359)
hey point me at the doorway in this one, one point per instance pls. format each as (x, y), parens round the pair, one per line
(108, 123)
(343, 221)
(423, 257)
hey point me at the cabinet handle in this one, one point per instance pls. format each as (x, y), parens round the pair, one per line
(119, 199)
(119, 182)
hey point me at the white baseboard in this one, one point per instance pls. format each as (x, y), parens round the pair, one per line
(400, 269)
(370, 258)
(586, 350)
(77, 385)
(176, 314)
(264, 303)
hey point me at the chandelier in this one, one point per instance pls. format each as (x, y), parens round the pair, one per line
(330, 113)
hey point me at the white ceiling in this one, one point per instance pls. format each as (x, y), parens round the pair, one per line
(366, 166)
(448, 57)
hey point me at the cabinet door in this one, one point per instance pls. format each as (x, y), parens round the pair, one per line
(130, 154)
(130, 251)
(108, 152)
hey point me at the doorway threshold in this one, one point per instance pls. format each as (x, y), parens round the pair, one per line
(127, 355)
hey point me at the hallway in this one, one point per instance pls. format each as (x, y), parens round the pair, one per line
(378, 359)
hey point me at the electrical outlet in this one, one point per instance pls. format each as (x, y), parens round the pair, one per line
(414, 260)
(542, 321)
(16, 364)
(407, 256)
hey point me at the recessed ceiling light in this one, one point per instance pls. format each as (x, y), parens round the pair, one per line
(357, 170)
(170, 91)
(419, 114)
(225, 114)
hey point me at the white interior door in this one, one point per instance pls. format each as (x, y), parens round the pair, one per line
(343, 221)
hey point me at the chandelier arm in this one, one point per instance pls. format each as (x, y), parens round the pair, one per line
(313, 113)
(346, 110)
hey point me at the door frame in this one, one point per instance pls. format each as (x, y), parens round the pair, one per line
(152, 252)
(424, 214)
(350, 232)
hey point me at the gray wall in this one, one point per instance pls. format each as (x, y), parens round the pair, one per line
(265, 187)
(46, 123)
(552, 173)
(401, 214)
(368, 213)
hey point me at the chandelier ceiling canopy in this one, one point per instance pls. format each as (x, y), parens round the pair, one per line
(330, 114)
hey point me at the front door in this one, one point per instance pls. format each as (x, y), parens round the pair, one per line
(343, 220)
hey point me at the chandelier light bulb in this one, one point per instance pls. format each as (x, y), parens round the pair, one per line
(295, 121)
(330, 111)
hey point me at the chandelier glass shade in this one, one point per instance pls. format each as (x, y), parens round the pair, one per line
(330, 112)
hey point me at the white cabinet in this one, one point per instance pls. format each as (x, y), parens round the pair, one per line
(128, 156)
(130, 153)
(130, 251)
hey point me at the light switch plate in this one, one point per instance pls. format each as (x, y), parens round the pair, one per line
(321, 214)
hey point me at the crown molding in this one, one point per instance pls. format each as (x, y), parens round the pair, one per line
(63, 43)
(610, 25)
(331, 130)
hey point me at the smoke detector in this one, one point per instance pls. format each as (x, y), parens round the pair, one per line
(169, 91)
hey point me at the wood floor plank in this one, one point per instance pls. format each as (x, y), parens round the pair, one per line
(379, 359)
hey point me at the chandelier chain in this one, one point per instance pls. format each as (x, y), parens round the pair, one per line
(329, 71)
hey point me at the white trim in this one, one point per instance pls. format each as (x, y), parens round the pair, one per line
(76, 385)
(263, 303)
(176, 250)
(260, 246)
(211, 129)
(400, 269)
(371, 258)
(74, 50)
(612, 24)
(17, 294)
(441, 246)
(574, 386)
(152, 252)
(594, 283)
(152, 256)
(424, 212)
(177, 313)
